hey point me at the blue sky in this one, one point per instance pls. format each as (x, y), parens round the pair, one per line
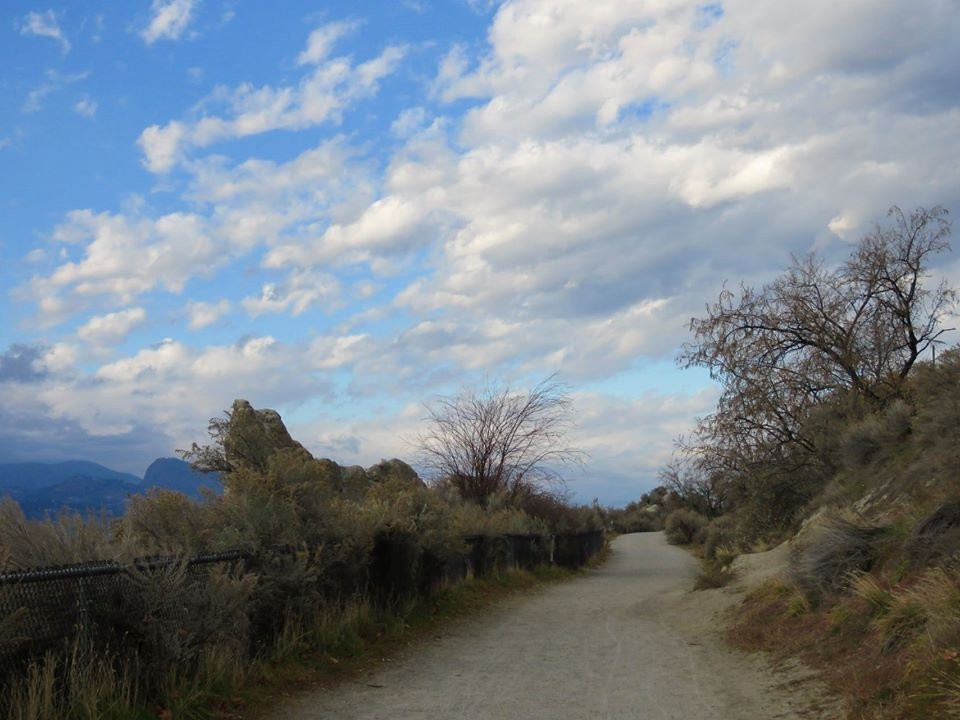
(343, 213)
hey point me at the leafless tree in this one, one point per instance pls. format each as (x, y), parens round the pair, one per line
(499, 442)
(780, 350)
(707, 493)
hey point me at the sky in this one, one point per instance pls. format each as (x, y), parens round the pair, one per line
(346, 210)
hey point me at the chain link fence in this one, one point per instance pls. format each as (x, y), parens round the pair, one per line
(43, 610)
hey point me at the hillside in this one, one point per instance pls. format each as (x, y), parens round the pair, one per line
(78, 485)
(836, 438)
(863, 584)
(871, 595)
(31, 476)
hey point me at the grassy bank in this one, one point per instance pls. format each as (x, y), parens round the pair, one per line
(871, 597)
(890, 650)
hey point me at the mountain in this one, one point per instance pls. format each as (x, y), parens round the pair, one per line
(78, 485)
(175, 474)
(80, 493)
(32, 476)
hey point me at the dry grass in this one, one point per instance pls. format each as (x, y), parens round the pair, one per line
(840, 546)
(893, 650)
(713, 574)
(83, 684)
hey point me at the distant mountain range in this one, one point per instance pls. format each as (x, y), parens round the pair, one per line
(43, 488)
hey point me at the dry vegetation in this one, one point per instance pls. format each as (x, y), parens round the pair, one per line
(872, 598)
(311, 591)
(832, 432)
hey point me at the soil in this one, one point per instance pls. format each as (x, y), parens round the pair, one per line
(627, 640)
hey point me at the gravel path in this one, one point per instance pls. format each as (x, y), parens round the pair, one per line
(628, 640)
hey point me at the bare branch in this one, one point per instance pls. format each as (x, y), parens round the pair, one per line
(812, 334)
(500, 442)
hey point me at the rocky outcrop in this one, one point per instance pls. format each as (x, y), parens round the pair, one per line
(393, 469)
(254, 436)
(259, 440)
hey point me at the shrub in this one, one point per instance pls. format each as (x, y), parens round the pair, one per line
(713, 539)
(68, 538)
(865, 586)
(637, 522)
(166, 522)
(683, 525)
(769, 504)
(936, 389)
(713, 575)
(319, 539)
(937, 537)
(863, 440)
(838, 547)
(897, 420)
(393, 469)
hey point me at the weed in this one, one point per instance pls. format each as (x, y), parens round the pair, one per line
(878, 598)
(683, 525)
(713, 575)
(799, 605)
(837, 548)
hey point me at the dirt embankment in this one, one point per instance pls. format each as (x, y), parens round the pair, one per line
(629, 640)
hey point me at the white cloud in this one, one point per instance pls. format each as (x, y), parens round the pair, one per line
(169, 20)
(52, 83)
(321, 96)
(321, 42)
(60, 358)
(629, 439)
(390, 224)
(45, 24)
(173, 388)
(302, 290)
(841, 225)
(99, 27)
(113, 327)
(313, 175)
(619, 161)
(124, 257)
(582, 236)
(202, 314)
(332, 352)
(408, 121)
(36, 256)
(237, 208)
(161, 146)
(86, 107)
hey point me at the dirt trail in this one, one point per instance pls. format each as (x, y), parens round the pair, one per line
(628, 640)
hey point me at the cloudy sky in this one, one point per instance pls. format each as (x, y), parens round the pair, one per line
(343, 213)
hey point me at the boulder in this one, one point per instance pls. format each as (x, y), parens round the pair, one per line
(393, 469)
(254, 436)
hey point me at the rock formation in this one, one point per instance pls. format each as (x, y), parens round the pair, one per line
(258, 440)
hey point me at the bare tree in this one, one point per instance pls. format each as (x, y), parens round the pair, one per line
(500, 442)
(812, 332)
(843, 338)
(707, 493)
